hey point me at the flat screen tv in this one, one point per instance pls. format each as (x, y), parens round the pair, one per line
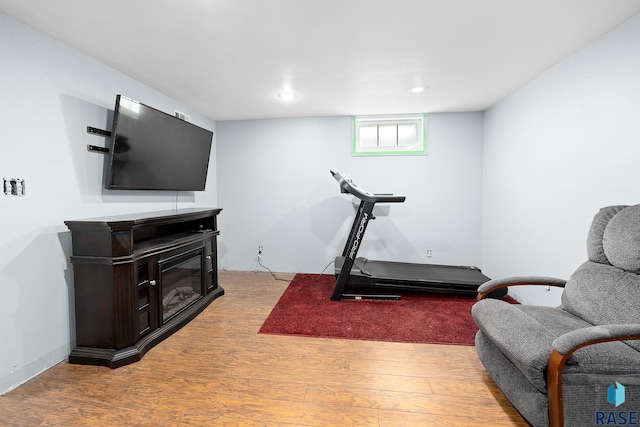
(153, 150)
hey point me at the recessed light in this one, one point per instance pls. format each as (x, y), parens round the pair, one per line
(287, 96)
(417, 89)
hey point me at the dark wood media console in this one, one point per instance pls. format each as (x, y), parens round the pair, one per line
(138, 279)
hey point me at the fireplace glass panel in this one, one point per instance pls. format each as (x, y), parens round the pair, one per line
(181, 284)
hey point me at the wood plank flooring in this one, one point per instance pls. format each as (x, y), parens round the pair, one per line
(218, 371)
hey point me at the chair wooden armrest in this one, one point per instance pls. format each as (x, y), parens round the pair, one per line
(565, 346)
(486, 288)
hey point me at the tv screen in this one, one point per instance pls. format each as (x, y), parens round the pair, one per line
(153, 150)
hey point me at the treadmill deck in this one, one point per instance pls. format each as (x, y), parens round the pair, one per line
(410, 276)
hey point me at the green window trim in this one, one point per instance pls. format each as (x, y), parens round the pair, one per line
(397, 135)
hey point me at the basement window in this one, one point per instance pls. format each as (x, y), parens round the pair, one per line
(389, 136)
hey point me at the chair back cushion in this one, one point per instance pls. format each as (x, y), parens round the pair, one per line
(595, 249)
(606, 288)
(621, 239)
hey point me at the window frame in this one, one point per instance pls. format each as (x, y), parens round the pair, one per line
(418, 149)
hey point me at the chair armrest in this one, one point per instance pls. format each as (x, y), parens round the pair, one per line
(490, 286)
(565, 345)
(572, 341)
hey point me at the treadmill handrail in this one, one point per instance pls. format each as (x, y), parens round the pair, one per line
(365, 195)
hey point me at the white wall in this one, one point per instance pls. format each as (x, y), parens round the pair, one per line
(556, 151)
(50, 94)
(276, 191)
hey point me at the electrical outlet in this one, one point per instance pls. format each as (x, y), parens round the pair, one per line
(429, 253)
(259, 250)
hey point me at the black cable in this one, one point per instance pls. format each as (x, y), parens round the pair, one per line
(268, 269)
(286, 280)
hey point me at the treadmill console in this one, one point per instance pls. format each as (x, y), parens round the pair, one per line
(346, 186)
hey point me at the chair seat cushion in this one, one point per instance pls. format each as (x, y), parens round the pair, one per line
(525, 334)
(524, 338)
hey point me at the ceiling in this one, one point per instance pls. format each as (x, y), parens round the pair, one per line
(228, 59)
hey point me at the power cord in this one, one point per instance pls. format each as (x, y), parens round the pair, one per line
(319, 275)
(286, 280)
(265, 267)
(322, 272)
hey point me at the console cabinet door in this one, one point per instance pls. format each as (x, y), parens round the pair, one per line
(211, 264)
(147, 297)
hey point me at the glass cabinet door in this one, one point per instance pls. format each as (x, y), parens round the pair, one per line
(147, 295)
(211, 264)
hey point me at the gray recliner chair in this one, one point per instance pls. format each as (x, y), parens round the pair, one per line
(577, 364)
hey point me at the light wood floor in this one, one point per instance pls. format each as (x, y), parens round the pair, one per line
(218, 371)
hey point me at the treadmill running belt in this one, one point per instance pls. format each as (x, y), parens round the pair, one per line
(428, 273)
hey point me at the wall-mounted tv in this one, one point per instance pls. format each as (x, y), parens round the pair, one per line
(153, 150)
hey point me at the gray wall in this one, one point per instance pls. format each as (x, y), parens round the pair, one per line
(556, 151)
(276, 191)
(50, 94)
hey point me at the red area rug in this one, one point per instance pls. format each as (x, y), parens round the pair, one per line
(306, 310)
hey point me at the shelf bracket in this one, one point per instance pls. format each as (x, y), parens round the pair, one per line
(96, 149)
(98, 132)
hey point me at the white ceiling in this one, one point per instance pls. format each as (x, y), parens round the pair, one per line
(229, 58)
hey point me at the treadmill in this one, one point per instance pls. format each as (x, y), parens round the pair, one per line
(360, 278)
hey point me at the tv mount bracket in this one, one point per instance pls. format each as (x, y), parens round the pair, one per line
(97, 132)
